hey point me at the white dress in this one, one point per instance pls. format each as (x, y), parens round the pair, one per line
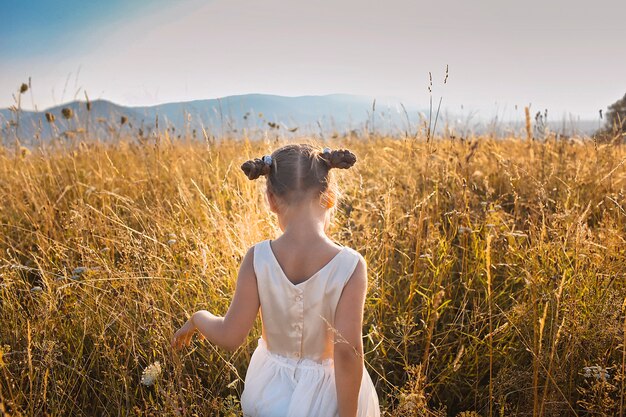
(291, 372)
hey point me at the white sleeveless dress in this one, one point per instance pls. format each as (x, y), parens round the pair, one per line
(291, 372)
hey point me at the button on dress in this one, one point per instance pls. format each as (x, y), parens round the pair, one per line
(291, 372)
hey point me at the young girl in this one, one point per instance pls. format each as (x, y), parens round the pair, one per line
(311, 292)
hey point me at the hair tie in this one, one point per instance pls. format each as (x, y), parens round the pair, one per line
(267, 159)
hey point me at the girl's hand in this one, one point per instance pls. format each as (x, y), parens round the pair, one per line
(231, 330)
(183, 336)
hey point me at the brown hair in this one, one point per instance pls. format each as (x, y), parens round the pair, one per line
(298, 170)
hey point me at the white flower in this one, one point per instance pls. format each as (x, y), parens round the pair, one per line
(150, 374)
(595, 371)
(171, 242)
(36, 288)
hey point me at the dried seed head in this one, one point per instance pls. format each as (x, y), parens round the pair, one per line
(23, 88)
(50, 117)
(123, 120)
(87, 102)
(67, 112)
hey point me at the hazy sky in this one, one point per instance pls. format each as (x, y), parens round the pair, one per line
(565, 55)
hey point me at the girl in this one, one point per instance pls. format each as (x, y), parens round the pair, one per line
(311, 292)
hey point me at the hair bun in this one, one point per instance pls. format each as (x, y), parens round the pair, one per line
(339, 158)
(254, 168)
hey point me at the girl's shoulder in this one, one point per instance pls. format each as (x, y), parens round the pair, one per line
(265, 245)
(348, 248)
(355, 253)
(259, 244)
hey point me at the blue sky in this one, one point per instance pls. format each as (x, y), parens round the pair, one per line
(567, 56)
(44, 27)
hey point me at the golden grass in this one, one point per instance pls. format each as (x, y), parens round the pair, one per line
(497, 274)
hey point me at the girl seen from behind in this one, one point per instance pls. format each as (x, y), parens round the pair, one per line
(311, 293)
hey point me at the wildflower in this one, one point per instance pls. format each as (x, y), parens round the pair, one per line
(150, 374)
(36, 288)
(596, 372)
(171, 242)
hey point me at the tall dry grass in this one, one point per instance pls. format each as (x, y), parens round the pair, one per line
(497, 274)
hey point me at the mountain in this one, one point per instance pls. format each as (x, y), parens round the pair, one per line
(252, 112)
(256, 115)
(101, 119)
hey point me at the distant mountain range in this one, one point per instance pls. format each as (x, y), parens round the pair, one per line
(218, 117)
(254, 114)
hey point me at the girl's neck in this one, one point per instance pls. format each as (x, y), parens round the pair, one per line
(302, 223)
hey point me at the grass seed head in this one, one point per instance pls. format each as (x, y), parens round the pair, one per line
(67, 113)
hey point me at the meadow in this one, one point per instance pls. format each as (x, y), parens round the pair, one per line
(497, 273)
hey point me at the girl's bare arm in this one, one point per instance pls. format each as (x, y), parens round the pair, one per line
(349, 342)
(231, 330)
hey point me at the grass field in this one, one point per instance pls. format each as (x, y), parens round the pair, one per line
(497, 274)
